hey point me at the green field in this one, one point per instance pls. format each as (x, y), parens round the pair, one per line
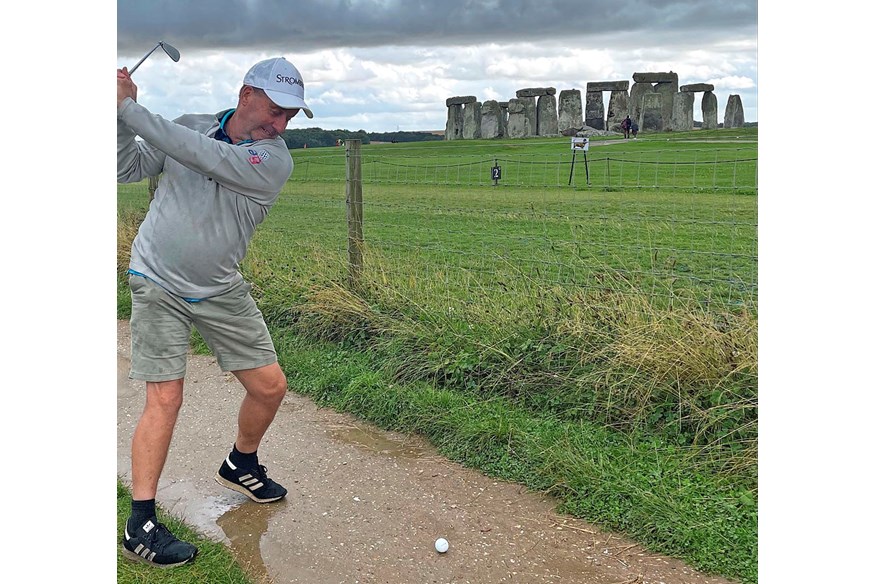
(602, 338)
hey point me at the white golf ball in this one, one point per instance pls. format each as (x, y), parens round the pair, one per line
(441, 545)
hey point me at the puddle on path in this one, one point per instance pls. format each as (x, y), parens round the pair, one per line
(377, 441)
(244, 526)
(230, 518)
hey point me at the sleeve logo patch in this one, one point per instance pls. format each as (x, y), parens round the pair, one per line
(257, 157)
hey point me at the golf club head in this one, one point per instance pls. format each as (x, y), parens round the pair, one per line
(170, 50)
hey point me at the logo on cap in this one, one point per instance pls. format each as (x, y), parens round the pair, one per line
(289, 80)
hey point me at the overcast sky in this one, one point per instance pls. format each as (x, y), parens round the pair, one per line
(386, 65)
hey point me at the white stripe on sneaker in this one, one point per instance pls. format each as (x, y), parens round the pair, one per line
(250, 482)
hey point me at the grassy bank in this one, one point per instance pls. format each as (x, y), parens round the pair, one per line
(599, 344)
(213, 565)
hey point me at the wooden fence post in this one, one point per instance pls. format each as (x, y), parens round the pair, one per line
(354, 210)
(153, 184)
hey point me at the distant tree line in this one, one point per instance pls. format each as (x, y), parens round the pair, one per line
(317, 137)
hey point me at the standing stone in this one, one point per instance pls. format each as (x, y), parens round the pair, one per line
(503, 118)
(667, 92)
(666, 84)
(570, 115)
(546, 115)
(518, 122)
(490, 119)
(618, 108)
(530, 112)
(652, 112)
(710, 111)
(453, 129)
(471, 121)
(682, 112)
(637, 93)
(734, 117)
(594, 111)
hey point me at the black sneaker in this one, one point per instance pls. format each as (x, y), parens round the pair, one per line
(254, 483)
(152, 543)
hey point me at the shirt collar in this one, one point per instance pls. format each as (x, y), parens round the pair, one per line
(222, 135)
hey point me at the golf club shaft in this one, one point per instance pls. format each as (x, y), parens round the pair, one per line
(130, 71)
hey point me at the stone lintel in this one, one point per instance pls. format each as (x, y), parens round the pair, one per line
(536, 91)
(669, 77)
(697, 87)
(461, 100)
(608, 86)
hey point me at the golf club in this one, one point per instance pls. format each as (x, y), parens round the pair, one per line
(171, 52)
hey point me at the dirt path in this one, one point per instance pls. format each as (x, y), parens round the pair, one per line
(365, 506)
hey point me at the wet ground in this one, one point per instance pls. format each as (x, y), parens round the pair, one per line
(366, 506)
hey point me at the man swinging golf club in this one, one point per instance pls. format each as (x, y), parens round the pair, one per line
(220, 175)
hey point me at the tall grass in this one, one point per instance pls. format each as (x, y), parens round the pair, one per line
(610, 355)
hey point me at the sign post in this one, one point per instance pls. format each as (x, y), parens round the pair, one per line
(582, 144)
(496, 173)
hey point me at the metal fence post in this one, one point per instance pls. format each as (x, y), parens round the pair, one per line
(354, 210)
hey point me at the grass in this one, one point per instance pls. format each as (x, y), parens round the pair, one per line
(632, 482)
(597, 342)
(214, 563)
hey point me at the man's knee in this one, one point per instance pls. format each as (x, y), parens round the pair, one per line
(277, 386)
(166, 395)
(266, 383)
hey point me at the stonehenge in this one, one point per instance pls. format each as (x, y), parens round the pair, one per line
(655, 101)
(618, 104)
(709, 104)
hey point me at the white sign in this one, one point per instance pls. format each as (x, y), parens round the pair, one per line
(581, 144)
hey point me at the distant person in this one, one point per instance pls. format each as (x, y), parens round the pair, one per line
(635, 129)
(220, 175)
(626, 124)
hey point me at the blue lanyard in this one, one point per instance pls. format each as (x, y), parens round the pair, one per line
(222, 135)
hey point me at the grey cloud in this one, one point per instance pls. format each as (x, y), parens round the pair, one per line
(309, 26)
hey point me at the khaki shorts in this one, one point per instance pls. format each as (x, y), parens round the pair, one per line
(161, 328)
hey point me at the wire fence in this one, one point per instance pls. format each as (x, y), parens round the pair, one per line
(437, 224)
(687, 166)
(669, 221)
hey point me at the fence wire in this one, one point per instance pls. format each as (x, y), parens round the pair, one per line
(670, 222)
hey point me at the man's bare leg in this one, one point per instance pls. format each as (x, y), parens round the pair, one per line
(241, 472)
(152, 437)
(265, 389)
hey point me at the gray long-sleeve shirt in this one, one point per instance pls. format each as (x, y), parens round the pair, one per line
(209, 200)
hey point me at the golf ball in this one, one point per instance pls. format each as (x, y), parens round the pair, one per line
(441, 545)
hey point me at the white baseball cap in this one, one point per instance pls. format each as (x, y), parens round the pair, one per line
(281, 81)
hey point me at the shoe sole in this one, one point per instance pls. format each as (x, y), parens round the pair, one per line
(235, 487)
(137, 558)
